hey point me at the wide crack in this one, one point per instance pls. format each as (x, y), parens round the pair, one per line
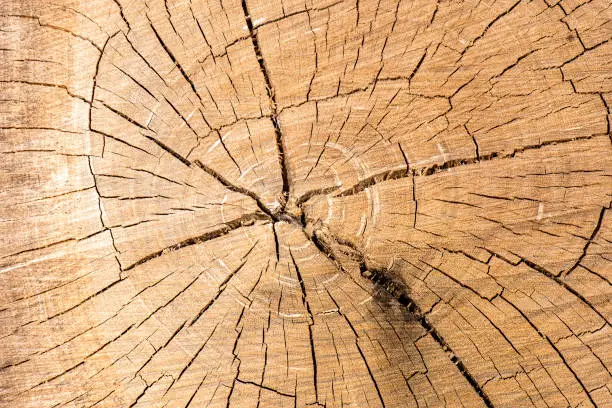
(271, 96)
(325, 242)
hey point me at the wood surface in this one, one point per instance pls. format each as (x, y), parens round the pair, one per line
(318, 203)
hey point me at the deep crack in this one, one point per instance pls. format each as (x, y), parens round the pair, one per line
(274, 117)
(396, 289)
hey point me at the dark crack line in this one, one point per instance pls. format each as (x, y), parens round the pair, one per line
(589, 241)
(397, 291)
(431, 170)
(121, 13)
(564, 285)
(93, 175)
(175, 62)
(310, 323)
(380, 277)
(365, 361)
(554, 347)
(263, 387)
(220, 291)
(225, 229)
(274, 117)
(237, 189)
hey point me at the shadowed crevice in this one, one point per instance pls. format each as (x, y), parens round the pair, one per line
(274, 117)
(397, 290)
(224, 229)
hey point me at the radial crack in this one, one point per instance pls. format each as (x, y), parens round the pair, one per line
(398, 291)
(224, 229)
(274, 117)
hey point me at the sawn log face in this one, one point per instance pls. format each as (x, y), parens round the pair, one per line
(224, 203)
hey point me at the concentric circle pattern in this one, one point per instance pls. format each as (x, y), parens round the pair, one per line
(371, 203)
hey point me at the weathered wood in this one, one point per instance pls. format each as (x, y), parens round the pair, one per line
(260, 203)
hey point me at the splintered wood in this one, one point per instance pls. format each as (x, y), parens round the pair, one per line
(320, 203)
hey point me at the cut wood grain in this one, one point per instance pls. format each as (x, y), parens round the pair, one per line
(327, 203)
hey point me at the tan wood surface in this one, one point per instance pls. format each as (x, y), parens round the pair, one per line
(318, 203)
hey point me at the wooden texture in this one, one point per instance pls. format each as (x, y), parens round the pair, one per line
(320, 203)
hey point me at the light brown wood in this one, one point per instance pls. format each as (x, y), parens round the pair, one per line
(262, 203)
